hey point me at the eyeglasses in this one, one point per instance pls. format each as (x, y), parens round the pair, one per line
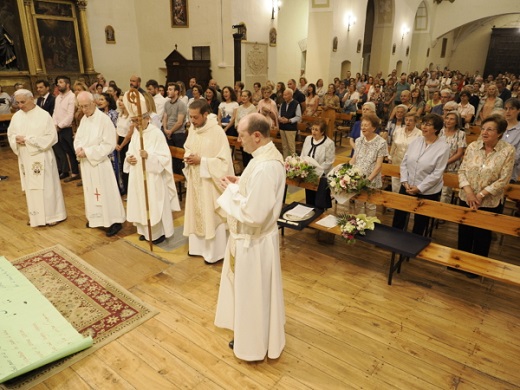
(83, 106)
(488, 129)
(427, 124)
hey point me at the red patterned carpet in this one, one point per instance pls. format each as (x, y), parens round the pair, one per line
(92, 303)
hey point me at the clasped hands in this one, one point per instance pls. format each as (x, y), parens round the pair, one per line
(412, 190)
(192, 159)
(20, 139)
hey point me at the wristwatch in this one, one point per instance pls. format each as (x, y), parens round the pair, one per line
(481, 194)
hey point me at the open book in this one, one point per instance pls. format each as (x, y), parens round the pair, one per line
(32, 331)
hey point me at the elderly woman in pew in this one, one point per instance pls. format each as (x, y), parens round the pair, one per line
(422, 169)
(370, 150)
(483, 175)
(456, 139)
(322, 149)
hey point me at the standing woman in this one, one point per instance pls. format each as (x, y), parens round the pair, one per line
(124, 129)
(401, 139)
(257, 93)
(417, 102)
(241, 111)
(322, 149)
(226, 111)
(488, 103)
(370, 150)
(422, 169)
(396, 123)
(512, 134)
(330, 99)
(483, 175)
(267, 107)
(456, 139)
(197, 93)
(320, 90)
(303, 85)
(107, 105)
(311, 101)
(280, 87)
(211, 98)
(466, 109)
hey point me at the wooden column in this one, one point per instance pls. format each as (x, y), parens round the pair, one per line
(88, 61)
(32, 38)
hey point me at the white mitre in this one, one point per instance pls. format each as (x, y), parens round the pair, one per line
(132, 107)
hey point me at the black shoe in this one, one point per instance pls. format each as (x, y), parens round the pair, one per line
(142, 238)
(232, 344)
(63, 176)
(159, 240)
(471, 275)
(87, 225)
(2, 178)
(114, 229)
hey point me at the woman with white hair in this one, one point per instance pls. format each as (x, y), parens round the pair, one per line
(355, 132)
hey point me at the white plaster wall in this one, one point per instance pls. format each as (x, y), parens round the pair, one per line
(460, 12)
(347, 40)
(158, 39)
(292, 28)
(116, 61)
(470, 51)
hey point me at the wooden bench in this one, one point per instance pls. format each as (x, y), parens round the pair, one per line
(436, 253)
(178, 153)
(440, 254)
(341, 128)
(4, 118)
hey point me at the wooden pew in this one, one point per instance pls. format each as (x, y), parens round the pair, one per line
(436, 253)
(340, 129)
(178, 153)
(4, 118)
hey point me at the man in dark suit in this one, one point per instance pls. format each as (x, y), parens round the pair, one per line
(45, 99)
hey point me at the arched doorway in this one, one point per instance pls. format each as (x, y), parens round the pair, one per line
(345, 68)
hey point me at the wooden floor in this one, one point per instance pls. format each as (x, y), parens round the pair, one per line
(346, 328)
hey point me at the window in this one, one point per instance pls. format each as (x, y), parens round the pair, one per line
(201, 53)
(421, 17)
(443, 49)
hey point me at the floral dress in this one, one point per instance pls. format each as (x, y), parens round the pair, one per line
(367, 153)
(455, 141)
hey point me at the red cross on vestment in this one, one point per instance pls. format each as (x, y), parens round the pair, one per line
(97, 195)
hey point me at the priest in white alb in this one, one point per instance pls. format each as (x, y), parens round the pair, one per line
(31, 135)
(250, 299)
(207, 159)
(95, 140)
(162, 194)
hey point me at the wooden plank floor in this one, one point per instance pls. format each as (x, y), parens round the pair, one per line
(346, 329)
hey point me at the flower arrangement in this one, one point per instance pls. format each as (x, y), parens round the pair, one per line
(347, 178)
(350, 225)
(300, 169)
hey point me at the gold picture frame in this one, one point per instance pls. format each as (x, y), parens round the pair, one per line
(179, 13)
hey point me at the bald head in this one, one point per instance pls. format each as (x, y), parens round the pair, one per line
(135, 81)
(254, 132)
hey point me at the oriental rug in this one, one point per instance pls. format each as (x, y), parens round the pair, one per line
(91, 302)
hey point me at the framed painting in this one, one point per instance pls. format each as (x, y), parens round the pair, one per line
(179, 12)
(59, 45)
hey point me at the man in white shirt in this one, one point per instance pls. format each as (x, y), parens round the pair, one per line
(152, 86)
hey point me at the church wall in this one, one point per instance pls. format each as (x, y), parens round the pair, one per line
(293, 25)
(459, 13)
(471, 50)
(347, 40)
(120, 60)
(319, 46)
